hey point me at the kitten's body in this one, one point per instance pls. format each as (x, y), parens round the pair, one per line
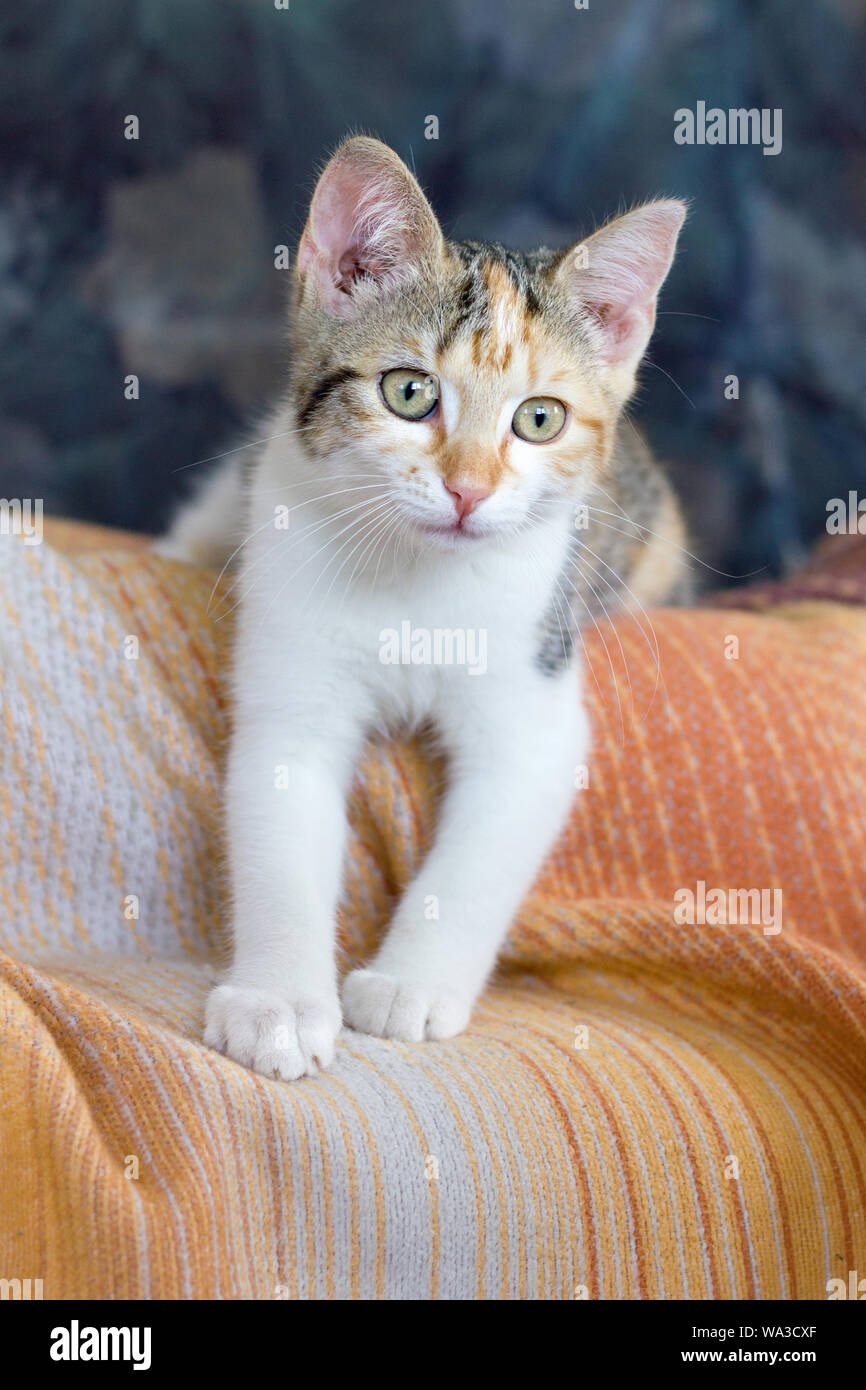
(450, 523)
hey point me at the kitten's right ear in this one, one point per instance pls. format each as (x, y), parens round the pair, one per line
(368, 222)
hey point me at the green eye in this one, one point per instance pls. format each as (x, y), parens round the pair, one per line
(409, 393)
(539, 419)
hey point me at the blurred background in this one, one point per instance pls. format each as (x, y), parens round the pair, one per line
(154, 256)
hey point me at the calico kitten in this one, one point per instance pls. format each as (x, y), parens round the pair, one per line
(450, 458)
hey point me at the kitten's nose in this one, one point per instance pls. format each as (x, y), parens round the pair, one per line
(466, 497)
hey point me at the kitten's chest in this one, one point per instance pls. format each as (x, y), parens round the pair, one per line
(419, 643)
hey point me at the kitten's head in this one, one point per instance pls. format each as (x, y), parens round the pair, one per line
(481, 385)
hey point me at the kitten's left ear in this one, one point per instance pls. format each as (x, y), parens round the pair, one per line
(616, 275)
(369, 222)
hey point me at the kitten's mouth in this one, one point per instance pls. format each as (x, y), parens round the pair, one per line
(456, 529)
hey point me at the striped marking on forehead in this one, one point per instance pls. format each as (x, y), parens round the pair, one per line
(491, 328)
(495, 293)
(507, 320)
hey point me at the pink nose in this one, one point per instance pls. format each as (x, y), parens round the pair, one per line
(466, 497)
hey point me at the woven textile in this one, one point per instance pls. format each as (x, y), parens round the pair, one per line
(641, 1108)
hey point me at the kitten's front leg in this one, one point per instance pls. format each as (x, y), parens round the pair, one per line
(511, 783)
(279, 1010)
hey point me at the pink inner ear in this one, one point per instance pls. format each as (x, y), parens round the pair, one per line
(625, 315)
(334, 218)
(627, 331)
(340, 242)
(628, 262)
(329, 245)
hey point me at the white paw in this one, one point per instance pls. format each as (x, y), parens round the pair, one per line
(392, 1008)
(271, 1034)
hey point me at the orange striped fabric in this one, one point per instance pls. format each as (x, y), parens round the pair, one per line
(642, 1107)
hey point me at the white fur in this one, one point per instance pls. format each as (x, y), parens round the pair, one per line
(201, 530)
(309, 686)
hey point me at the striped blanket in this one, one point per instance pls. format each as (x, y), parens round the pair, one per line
(662, 1093)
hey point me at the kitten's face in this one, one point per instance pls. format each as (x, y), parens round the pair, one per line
(473, 399)
(480, 387)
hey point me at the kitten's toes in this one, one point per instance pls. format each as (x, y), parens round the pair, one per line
(271, 1034)
(390, 1008)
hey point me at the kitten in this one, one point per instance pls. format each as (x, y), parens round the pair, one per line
(452, 408)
